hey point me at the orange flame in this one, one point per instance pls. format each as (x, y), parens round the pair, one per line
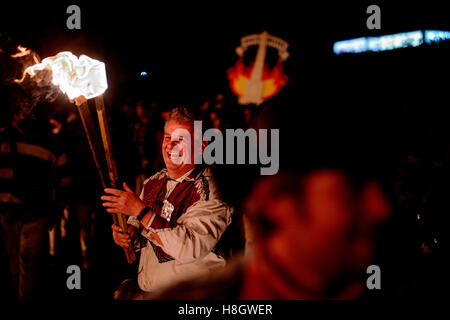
(75, 76)
(22, 52)
(273, 79)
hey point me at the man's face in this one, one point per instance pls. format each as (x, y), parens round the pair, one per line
(328, 230)
(339, 234)
(178, 155)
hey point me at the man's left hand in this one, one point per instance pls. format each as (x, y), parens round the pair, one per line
(126, 202)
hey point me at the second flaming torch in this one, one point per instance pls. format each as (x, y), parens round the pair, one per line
(83, 79)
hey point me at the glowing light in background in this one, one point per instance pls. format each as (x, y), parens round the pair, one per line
(350, 46)
(436, 36)
(143, 74)
(390, 42)
(395, 41)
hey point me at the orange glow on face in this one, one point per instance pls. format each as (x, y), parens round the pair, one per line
(273, 79)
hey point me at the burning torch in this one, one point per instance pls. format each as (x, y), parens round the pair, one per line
(83, 79)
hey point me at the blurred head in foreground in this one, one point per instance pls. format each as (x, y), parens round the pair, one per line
(314, 235)
(310, 236)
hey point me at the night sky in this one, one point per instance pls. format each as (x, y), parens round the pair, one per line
(186, 48)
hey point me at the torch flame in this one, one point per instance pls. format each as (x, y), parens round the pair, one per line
(22, 51)
(75, 77)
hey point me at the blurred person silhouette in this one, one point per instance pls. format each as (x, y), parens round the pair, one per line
(63, 187)
(143, 138)
(122, 131)
(309, 236)
(314, 236)
(29, 162)
(80, 208)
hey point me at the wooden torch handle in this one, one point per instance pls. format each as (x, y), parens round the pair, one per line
(119, 219)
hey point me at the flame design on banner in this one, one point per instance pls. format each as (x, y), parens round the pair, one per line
(273, 79)
(75, 76)
(257, 83)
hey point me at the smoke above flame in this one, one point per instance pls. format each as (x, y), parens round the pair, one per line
(74, 76)
(14, 60)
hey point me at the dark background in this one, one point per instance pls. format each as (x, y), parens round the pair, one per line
(186, 48)
(380, 107)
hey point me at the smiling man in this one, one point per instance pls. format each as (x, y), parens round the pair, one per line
(179, 216)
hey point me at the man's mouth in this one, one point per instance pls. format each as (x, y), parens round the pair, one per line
(173, 155)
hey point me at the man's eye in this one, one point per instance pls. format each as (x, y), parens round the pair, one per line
(180, 138)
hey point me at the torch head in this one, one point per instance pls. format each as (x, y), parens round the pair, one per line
(75, 76)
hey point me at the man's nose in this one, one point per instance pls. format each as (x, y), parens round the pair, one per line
(172, 144)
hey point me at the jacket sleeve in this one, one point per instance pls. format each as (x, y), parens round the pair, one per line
(198, 232)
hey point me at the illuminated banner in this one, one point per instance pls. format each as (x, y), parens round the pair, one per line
(257, 83)
(390, 42)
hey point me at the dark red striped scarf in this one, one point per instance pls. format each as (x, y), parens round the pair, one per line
(185, 194)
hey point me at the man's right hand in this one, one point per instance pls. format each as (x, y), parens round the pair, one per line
(122, 239)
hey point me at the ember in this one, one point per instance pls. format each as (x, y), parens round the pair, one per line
(22, 52)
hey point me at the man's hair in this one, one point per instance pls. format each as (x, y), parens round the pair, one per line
(182, 114)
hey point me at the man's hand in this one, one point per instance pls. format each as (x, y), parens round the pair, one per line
(122, 239)
(126, 202)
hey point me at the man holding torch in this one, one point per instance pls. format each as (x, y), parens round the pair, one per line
(179, 216)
